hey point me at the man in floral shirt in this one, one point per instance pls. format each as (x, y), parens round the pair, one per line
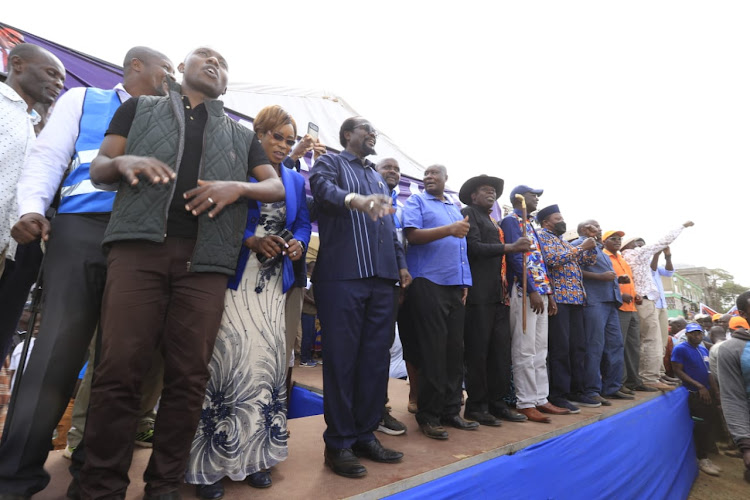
(567, 342)
(529, 348)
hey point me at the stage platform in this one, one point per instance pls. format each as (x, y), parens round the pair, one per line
(525, 460)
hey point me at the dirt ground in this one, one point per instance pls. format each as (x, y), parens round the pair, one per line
(730, 485)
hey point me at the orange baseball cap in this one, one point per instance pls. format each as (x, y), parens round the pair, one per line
(716, 317)
(738, 322)
(610, 233)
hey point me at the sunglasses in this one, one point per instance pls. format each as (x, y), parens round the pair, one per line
(368, 129)
(280, 138)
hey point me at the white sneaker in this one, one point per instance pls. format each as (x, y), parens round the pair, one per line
(708, 467)
(68, 452)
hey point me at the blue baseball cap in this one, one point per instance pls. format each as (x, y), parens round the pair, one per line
(693, 327)
(522, 189)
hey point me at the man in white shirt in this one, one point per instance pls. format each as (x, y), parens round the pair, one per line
(639, 255)
(35, 75)
(74, 265)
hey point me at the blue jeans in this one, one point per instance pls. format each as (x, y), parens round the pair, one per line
(604, 349)
(308, 337)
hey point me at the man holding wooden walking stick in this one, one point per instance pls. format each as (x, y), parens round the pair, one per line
(529, 344)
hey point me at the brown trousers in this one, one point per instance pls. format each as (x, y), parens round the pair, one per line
(151, 301)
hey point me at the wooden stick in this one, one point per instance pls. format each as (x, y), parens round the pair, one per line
(525, 258)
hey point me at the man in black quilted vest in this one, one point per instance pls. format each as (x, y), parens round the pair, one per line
(181, 168)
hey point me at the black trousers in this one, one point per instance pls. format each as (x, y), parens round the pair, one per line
(438, 321)
(74, 277)
(15, 283)
(566, 355)
(704, 418)
(487, 356)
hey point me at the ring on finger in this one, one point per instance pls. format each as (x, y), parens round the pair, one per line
(211, 201)
(294, 254)
(372, 204)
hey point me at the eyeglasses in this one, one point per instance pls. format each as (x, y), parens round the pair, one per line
(368, 129)
(280, 138)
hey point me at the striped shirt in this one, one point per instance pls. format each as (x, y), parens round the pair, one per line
(352, 246)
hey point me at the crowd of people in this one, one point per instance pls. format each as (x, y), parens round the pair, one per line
(175, 262)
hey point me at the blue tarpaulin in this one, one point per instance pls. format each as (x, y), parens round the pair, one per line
(645, 452)
(305, 403)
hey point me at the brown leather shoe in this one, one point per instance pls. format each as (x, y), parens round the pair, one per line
(533, 415)
(661, 387)
(552, 409)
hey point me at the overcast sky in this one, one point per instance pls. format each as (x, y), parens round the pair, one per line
(634, 113)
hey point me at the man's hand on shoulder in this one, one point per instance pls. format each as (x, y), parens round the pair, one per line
(30, 227)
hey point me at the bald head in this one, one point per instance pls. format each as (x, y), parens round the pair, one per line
(145, 70)
(35, 73)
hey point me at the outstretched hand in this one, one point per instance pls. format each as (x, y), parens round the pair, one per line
(133, 167)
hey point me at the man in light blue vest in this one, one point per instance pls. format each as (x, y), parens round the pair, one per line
(74, 265)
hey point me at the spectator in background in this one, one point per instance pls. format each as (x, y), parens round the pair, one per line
(388, 169)
(690, 364)
(309, 312)
(487, 323)
(437, 258)
(660, 302)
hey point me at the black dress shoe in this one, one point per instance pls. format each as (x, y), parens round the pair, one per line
(376, 452)
(510, 415)
(210, 491)
(171, 495)
(483, 417)
(459, 423)
(343, 462)
(645, 388)
(260, 479)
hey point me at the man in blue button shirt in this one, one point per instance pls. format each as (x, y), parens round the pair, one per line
(436, 232)
(604, 360)
(359, 260)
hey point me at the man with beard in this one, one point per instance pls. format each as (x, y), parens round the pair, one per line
(639, 256)
(171, 247)
(75, 265)
(436, 230)
(359, 260)
(487, 324)
(567, 346)
(529, 347)
(603, 363)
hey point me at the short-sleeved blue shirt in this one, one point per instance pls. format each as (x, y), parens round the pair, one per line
(694, 362)
(443, 261)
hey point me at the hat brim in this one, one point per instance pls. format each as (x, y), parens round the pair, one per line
(472, 184)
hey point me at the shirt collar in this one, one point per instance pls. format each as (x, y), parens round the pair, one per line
(352, 158)
(610, 253)
(447, 200)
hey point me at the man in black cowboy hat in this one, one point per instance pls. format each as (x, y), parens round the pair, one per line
(487, 322)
